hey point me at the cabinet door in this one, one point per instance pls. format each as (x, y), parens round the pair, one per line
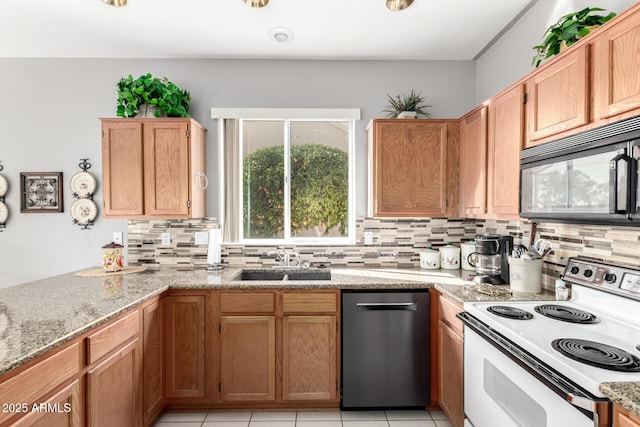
(122, 173)
(623, 418)
(616, 83)
(248, 358)
(184, 345)
(451, 355)
(506, 115)
(309, 358)
(473, 163)
(409, 168)
(166, 168)
(113, 390)
(64, 409)
(558, 96)
(152, 362)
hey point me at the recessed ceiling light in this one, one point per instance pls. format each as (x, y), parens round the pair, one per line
(256, 3)
(116, 3)
(281, 34)
(396, 5)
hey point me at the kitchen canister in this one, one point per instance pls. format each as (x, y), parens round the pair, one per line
(430, 259)
(466, 249)
(525, 275)
(450, 257)
(112, 259)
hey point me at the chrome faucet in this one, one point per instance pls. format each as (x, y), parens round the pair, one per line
(285, 257)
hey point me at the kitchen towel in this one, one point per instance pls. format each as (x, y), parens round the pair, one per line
(213, 251)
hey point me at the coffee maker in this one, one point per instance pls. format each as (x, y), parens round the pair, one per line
(491, 259)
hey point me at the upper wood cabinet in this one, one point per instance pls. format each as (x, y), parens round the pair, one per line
(473, 163)
(413, 167)
(506, 134)
(558, 96)
(616, 61)
(153, 168)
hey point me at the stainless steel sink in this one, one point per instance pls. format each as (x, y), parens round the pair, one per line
(268, 275)
(310, 275)
(261, 275)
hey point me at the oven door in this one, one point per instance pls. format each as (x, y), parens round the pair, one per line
(500, 391)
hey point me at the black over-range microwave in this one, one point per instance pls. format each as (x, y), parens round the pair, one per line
(589, 178)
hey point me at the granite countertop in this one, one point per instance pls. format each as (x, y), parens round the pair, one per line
(38, 316)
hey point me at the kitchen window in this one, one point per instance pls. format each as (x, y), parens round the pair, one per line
(289, 180)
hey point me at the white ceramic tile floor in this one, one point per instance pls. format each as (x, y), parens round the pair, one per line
(305, 419)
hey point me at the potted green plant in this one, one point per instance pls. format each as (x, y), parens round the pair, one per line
(404, 105)
(568, 30)
(167, 98)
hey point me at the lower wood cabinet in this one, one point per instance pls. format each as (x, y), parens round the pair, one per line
(184, 334)
(624, 418)
(248, 358)
(279, 346)
(113, 389)
(152, 361)
(451, 361)
(64, 409)
(309, 358)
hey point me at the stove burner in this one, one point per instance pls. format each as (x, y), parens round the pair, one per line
(597, 354)
(566, 314)
(510, 312)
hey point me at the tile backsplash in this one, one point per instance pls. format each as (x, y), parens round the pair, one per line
(396, 242)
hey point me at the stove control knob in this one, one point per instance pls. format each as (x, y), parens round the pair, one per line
(575, 269)
(610, 277)
(588, 273)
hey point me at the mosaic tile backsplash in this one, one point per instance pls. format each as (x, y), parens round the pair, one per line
(396, 242)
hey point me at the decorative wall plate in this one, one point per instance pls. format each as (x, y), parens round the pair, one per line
(83, 184)
(4, 213)
(84, 211)
(4, 186)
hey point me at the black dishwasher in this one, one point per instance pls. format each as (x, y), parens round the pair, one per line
(385, 349)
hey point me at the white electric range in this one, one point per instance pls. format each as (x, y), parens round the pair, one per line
(540, 364)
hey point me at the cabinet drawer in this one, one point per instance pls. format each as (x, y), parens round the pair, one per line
(310, 302)
(112, 336)
(247, 302)
(31, 385)
(447, 310)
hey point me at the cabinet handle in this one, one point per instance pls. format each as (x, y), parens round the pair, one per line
(202, 180)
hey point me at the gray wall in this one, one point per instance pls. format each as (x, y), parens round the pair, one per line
(49, 120)
(510, 58)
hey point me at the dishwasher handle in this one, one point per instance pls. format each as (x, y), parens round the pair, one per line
(387, 306)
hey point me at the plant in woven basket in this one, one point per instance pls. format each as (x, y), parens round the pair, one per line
(403, 102)
(146, 89)
(568, 30)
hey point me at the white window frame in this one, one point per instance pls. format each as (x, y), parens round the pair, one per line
(288, 116)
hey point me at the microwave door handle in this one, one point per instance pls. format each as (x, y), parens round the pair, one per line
(616, 184)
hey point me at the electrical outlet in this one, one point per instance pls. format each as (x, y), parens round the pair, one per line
(368, 238)
(166, 238)
(202, 238)
(117, 237)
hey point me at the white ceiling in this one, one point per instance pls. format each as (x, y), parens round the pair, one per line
(322, 29)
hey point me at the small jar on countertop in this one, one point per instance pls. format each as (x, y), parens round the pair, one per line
(112, 259)
(430, 259)
(450, 257)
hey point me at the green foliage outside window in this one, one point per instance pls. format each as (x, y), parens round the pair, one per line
(319, 190)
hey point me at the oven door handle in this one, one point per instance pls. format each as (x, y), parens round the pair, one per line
(597, 407)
